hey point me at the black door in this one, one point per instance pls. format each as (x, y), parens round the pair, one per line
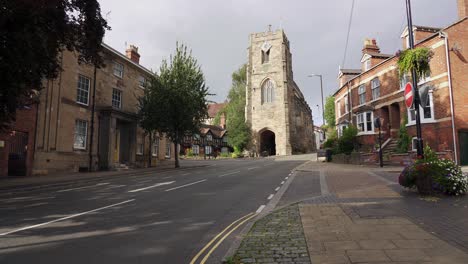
(463, 141)
(17, 154)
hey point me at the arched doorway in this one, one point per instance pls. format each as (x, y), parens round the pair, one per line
(267, 143)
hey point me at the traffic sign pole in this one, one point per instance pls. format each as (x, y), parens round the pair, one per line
(417, 101)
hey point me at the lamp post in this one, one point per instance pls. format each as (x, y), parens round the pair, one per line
(321, 92)
(417, 100)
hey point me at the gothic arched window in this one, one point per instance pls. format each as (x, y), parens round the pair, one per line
(268, 91)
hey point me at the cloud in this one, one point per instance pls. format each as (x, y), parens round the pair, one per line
(217, 32)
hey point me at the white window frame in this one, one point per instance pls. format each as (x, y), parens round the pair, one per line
(140, 149)
(81, 89)
(339, 108)
(362, 94)
(404, 80)
(195, 149)
(141, 81)
(209, 137)
(341, 128)
(225, 139)
(114, 94)
(77, 133)
(346, 104)
(208, 150)
(118, 69)
(155, 148)
(168, 149)
(367, 64)
(414, 143)
(375, 88)
(361, 118)
(421, 111)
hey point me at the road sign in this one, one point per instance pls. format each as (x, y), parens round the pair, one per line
(409, 95)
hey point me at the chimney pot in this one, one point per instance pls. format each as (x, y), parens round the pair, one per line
(462, 6)
(132, 54)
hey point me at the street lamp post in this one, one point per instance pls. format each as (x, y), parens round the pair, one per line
(321, 92)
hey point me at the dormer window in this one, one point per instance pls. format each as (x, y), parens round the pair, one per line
(367, 64)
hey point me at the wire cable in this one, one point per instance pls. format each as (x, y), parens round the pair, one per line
(347, 35)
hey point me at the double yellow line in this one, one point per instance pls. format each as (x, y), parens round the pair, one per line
(236, 225)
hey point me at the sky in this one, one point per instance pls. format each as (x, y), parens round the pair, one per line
(217, 32)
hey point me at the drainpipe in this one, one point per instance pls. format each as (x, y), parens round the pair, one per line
(350, 105)
(91, 138)
(445, 36)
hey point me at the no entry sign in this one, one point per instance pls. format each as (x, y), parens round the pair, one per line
(409, 95)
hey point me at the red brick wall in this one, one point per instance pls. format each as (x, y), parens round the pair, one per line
(26, 122)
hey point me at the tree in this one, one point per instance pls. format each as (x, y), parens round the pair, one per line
(175, 102)
(330, 111)
(32, 36)
(238, 130)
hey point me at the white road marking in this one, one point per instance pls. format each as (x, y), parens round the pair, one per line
(260, 208)
(182, 186)
(183, 174)
(152, 186)
(271, 196)
(286, 178)
(85, 187)
(282, 182)
(64, 218)
(323, 183)
(230, 173)
(277, 188)
(115, 186)
(251, 168)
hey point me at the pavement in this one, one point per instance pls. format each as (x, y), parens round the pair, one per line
(356, 214)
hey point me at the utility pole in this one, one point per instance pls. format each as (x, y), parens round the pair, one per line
(417, 101)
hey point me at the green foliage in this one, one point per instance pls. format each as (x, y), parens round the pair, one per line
(33, 33)
(189, 153)
(224, 155)
(447, 177)
(404, 140)
(347, 142)
(330, 111)
(238, 130)
(217, 118)
(417, 59)
(330, 143)
(175, 102)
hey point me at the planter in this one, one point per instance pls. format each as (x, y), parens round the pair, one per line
(424, 179)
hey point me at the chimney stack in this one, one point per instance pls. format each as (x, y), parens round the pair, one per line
(462, 6)
(132, 54)
(370, 46)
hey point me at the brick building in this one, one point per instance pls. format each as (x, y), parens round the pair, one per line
(17, 143)
(276, 110)
(88, 116)
(376, 90)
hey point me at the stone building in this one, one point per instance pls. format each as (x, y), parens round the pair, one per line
(280, 118)
(376, 90)
(87, 117)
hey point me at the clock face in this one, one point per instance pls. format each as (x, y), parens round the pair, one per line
(266, 46)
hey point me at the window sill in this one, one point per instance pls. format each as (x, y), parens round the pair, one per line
(366, 133)
(429, 121)
(139, 154)
(79, 149)
(120, 77)
(82, 104)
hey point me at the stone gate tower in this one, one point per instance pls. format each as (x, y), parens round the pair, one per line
(280, 118)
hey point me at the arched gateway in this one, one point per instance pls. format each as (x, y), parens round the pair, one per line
(274, 102)
(267, 143)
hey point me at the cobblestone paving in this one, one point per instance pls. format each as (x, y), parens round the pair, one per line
(276, 238)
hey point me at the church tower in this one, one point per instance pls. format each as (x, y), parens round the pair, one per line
(276, 110)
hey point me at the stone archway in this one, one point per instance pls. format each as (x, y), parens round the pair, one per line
(267, 143)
